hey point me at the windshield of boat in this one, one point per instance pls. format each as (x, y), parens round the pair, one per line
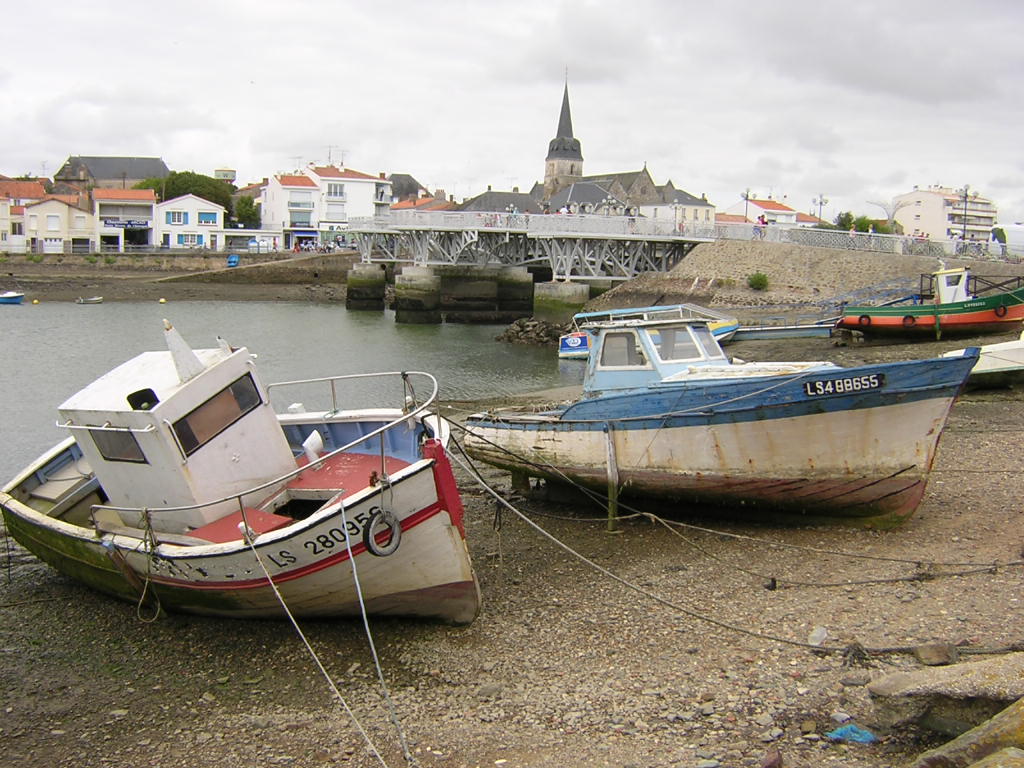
(622, 349)
(683, 342)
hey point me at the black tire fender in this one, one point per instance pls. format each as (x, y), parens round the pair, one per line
(864, 320)
(388, 519)
(909, 321)
(1000, 310)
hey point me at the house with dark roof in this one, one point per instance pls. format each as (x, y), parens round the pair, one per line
(110, 172)
(405, 187)
(586, 197)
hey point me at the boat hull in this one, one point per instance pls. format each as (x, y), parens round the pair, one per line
(757, 447)
(990, 314)
(429, 575)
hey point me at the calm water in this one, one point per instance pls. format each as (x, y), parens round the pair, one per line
(49, 351)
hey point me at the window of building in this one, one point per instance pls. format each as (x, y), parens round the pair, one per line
(190, 239)
(52, 222)
(217, 414)
(177, 217)
(33, 221)
(335, 190)
(79, 221)
(206, 217)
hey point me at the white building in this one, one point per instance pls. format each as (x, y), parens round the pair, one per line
(189, 222)
(124, 218)
(315, 206)
(58, 225)
(938, 213)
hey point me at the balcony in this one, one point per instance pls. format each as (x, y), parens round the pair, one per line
(300, 205)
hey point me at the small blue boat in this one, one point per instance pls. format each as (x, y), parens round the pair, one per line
(11, 297)
(664, 412)
(577, 344)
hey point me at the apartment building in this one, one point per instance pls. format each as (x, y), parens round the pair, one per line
(943, 213)
(314, 206)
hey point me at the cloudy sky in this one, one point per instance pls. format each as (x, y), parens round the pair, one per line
(855, 101)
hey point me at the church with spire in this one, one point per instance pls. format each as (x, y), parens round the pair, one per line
(564, 163)
(566, 188)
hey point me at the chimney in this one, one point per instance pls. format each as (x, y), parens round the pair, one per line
(488, 187)
(515, 190)
(382, 174)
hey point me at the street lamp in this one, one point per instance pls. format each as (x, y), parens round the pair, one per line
(965, 192)
(820, 201)
(747, 197)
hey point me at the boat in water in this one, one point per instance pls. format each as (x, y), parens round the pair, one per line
(182, 484)
(999, 365)
(951, 302)
(664, 412)
(89, 300)
(11, 297)
(577, 343)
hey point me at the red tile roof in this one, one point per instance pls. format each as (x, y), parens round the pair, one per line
(330, 172)
(731, 218)
(22, 189)
(771, 205)
(807, 218)
(296, 181)
(124, 194)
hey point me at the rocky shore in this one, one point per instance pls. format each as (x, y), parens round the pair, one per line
(720, 644)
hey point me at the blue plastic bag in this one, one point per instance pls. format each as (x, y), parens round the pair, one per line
(852, 733)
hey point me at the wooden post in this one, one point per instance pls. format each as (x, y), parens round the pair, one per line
(613, 479)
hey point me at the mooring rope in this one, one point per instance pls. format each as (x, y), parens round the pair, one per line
(313, 654)
(850, 652)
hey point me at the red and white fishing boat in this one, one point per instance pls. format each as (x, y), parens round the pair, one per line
(180, 484)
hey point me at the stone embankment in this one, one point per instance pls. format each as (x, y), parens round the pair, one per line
(715, 274)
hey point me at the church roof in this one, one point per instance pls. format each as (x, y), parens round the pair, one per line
(581, 192)
(113, 167)
(565, 144)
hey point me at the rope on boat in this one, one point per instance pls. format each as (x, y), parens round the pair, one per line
(150, 543)
(305, 641)
(852, 653)
(392, 710)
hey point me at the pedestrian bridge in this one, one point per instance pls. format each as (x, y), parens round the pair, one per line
(579, 246)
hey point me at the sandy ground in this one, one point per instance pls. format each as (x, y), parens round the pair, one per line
(565, 666)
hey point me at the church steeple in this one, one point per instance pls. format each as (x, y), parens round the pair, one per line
(564, 163)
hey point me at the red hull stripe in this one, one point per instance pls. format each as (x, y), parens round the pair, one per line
(410, 522)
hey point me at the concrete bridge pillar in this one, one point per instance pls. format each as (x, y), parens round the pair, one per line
(365, 287)
(417, 296)
(515, 292)
(558, 302)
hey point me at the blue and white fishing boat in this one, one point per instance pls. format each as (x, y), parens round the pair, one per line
(578, 342)
(11, 297)
(665, 412)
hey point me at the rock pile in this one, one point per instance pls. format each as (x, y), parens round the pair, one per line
(528, 330)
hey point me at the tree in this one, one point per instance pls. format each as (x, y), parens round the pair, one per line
(246, 212)
(845, 220)
(178, 183)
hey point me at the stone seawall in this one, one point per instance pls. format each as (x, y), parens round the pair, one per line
(716, 274)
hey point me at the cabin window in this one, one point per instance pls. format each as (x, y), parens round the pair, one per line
(217, 414)
(675, 343)
(118, 445)
(622, 349)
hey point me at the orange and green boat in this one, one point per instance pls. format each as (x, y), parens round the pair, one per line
(951, 302)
